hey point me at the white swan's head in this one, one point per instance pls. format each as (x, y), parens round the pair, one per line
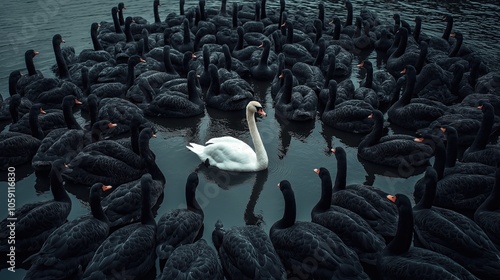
(255, 107)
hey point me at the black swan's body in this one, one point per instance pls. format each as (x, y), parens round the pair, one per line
(394, 150)
(180, 226)
(72, 244)
(297, 241)
(132, 245)
(36, 221)
(454, 235)
(399, 260)
(247, 253)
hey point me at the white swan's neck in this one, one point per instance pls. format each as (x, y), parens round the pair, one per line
(260, 151)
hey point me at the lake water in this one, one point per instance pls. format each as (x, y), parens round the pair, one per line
(294, 149)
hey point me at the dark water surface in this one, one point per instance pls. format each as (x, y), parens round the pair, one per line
(294, 150)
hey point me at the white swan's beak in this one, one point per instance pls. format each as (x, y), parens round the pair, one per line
(261, 112)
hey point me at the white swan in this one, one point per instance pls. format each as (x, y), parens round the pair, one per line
(231, 154)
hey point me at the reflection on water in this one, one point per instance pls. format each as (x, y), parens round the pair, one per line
(294, 149)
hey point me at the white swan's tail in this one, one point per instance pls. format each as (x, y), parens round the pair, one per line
(197, 149)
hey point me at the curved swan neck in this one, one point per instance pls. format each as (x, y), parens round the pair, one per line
(116, 22)
(403, 41)
(260, 151)
(429, 194)
(451, 148)
(96, 207)
(30, 66)
(369, 76)
(61, 64)
(404, 233)
(289, 214)
(95, 41)
(484, 132)
(36, 130)
(449, 26)
(57, 187)
(326, 193)
(374, 136)
(340, 179)
(439, 158)
(265, 54)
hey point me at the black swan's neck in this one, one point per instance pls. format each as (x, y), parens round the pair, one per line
(235, 15)
(410, 86)
(484, 132)
(451, 148)
(36, 129)
(128, 33)
(286, 96)
(95, 41)
(169, 68)
(404, 233)
(116, 21)
(403, 41)
(57, 187)
(30, 66)
(429, 193)
(449, 26)
(156, 3)
(340, 179)
(289, 214)
(69, 117)
(458, 45)
(348, 20)
(439, 158)
(265, 55)
(96, 207)
(332, 96)
(326, 194)
(146, 214)
(374, 136)
(61, 64)
(192, 203)
(421, 57)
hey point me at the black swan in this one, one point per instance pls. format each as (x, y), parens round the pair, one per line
(123, 205)
(296, 103)
(395, 150)
(89, 167)
(412, 115)
(452, 234)
(349, 115)
(180, 226)
(176, 104)
(18, 148)
(402, 56)
(354, 231)
(400, 260)
(67, 143)
(133, 244)
(330, 257)
(230, 95)
(33, 74)
(264, 70)
(246, 252)
(366, 201)
(117, 81)
(97, 54)
(73, 244)
(197, 261)
(36, 221)
(480, 151)
(380, 81)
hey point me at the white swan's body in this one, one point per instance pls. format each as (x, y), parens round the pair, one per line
(231, 154)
